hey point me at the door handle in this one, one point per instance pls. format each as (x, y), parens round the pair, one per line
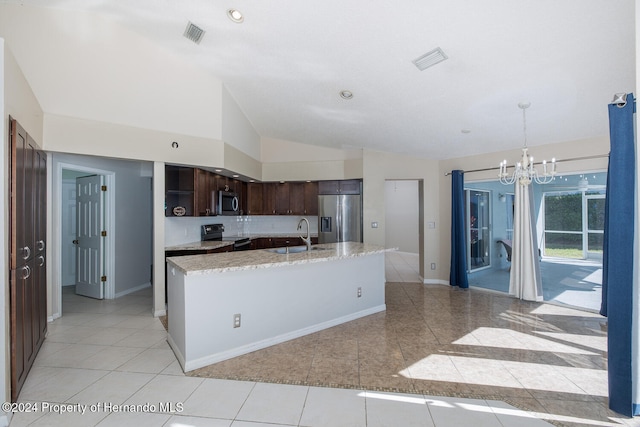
(75, 241)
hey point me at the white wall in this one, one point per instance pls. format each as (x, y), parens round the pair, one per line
(293, 161)
(236, 128)
(401, 215)
(140, 83)
(379, 167)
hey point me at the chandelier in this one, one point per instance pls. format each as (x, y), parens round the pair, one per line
(525, 171)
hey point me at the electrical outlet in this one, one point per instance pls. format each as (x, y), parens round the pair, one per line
(236, 320)
(359, 292)
(433, 265)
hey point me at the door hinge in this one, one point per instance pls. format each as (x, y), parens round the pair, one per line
(104, 233)
(103, 188)
(103, 278)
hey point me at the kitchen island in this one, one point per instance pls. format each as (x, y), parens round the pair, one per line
(228, 304)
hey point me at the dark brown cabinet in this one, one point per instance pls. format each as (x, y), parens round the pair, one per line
(269, 198)
(179, 191)
(349, 186)
(27, 253)
(287, 198)
(311, 198)
(283, 198)
(193, 191)
(254, 199)
(296, 198)
(204, 193)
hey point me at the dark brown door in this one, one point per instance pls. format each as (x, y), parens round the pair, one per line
(27, 211)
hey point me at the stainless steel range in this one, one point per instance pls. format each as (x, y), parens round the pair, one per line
(214, 232)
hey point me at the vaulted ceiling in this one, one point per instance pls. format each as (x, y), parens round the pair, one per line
(288, 61)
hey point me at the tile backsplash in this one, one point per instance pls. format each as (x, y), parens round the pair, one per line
(178, 231)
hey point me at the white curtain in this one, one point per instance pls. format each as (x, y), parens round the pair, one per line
(525, 281)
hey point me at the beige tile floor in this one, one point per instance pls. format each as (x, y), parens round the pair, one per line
(437, 357)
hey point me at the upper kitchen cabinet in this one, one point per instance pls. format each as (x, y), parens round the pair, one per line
(275, 198)
(296, 198)
(205, 192)
(179, 191)
(350, 186)
(311, 198)
(283, 198)
(254, 198)
(289, 198)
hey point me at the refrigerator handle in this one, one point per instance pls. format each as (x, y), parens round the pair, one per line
(339, 221)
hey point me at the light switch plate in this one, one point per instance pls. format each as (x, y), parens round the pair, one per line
(374, 224)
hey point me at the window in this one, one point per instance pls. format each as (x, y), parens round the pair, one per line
(573, 224)
(478, 227)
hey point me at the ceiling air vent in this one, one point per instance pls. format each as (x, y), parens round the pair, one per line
(430, 59)
(194, 33)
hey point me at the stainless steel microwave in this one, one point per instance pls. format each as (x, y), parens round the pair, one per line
(228, 203)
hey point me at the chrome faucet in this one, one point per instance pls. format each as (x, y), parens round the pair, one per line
(307, 240)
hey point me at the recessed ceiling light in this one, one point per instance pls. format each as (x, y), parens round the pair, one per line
(218, 170)
(235, 176)
(346, 94)
(235, 15)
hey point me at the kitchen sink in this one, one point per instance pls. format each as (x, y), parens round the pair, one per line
(294, 249)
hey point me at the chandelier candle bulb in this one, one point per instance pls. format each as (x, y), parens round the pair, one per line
(544, 167)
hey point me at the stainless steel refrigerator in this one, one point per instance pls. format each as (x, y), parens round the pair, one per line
(340, 218)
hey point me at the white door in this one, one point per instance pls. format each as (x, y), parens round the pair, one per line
(69, 231)
(89, 239)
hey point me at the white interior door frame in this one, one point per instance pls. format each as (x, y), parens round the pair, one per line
(109, 221)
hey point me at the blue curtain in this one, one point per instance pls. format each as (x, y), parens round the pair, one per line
(458, 272)
(617, 279)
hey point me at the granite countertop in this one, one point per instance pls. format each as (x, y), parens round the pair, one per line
(215, 244)
(198, 246)
(265, 258)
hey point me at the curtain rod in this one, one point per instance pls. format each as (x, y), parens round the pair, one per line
(598, 156)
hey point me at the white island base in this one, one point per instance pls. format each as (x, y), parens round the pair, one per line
(276, 303)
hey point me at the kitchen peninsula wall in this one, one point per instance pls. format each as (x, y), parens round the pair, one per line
(187, 229)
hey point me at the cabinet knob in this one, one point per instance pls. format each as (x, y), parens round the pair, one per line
(75, 241)
(26, 272)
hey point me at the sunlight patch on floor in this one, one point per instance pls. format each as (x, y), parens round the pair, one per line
(507, 338)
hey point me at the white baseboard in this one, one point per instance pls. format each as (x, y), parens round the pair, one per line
(259, 345)
(132, 290)
(176, 351)
(435, 282)
(4, 421)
